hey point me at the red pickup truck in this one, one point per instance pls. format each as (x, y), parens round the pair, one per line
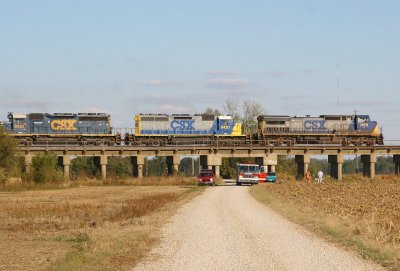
(206, 177)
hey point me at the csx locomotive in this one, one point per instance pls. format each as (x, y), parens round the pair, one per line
(163, 129)
(183, 128)
(61, 128)
(326, 129)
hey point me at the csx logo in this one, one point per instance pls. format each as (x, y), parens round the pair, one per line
(63, 125)
(185, 125)
(314, 124)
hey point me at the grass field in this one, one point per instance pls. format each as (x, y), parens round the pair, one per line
(357, 213)
(86, 228)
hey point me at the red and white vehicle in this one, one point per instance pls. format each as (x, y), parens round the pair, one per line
(262, 176)
(247, 174)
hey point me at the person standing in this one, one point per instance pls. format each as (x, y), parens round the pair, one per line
(308, 176)
(320, 174)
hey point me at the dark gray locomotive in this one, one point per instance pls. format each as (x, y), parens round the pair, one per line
(325, 129)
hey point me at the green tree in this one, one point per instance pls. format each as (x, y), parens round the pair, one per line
(156, 166)
(82, 167)
(8, 160)
(286, 165)
(187, 165)
(210, 111)
(119, 167)
(45, 169)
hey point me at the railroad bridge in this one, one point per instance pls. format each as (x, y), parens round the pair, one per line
(211, 156)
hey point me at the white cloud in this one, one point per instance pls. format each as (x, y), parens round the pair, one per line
(176, 108)
(22, 103)
(152, 83)
(220, 73)
(160, 83)
(228, 83)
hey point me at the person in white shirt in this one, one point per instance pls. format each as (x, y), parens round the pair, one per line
(320, 175)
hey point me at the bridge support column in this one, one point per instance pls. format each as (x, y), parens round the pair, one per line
(137, 165)
(336, 166)
(66, 161)
(268, 162)
(215, 161)
(396, 160)
(28, 163)
(204, 162)
(173, 164)
(303, 162)
(212, 162)
(369, 162)
(103, 164)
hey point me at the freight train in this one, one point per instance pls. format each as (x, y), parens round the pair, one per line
(198, 129)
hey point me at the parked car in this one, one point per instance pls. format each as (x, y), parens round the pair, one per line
(271, 177)
(207, 177)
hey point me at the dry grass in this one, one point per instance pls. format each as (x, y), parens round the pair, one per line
(146, 181)
(85, 228)
(356, 212)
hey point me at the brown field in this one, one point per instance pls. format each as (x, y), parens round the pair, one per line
(357, 213)
(85, 228)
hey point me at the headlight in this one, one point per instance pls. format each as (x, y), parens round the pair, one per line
(212, 179)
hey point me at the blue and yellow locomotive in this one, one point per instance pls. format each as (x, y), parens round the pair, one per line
(182, 128)
(61, 128)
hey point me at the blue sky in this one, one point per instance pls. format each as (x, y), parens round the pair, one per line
(128, 57)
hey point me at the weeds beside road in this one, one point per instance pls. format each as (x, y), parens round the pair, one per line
(86, 228)
(357, 213)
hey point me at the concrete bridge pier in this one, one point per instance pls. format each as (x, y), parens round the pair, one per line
(103, 164)
(137, 165)
(303, 163)
(336, 166)
(396, 160)
(204, 162)
(213, 162)
(173, 164)
(269, 162)
(28, 163)
(65, 162)
(369, 162)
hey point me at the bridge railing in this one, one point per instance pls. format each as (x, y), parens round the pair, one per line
(206, 142)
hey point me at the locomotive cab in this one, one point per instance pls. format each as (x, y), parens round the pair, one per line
(18, 123)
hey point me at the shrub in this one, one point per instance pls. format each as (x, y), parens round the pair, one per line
(8, 161)
(83, 167)
(45, 168)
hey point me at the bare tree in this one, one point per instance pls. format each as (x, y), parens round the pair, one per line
(231, 107)
(251, 110)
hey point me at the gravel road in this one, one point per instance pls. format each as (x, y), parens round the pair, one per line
(226, 229)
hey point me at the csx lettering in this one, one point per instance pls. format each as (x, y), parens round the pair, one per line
(63, 125)
(314, 124)
(185, 125)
